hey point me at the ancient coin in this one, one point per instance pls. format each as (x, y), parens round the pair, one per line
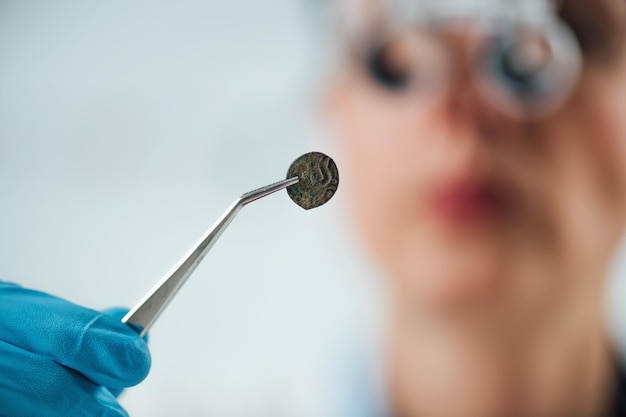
(318, 180)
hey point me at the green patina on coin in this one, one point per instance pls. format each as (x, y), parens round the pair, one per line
(318, 180)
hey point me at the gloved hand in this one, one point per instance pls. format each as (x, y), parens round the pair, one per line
(59, 359)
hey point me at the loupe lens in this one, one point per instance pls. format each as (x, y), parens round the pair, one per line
(529, 72)
(521, 64)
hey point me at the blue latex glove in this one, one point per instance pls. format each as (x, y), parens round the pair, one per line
(59, 359)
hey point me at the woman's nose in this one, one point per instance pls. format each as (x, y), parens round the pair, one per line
(463, 102)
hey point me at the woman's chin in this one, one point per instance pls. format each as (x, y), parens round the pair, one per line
(455, 280)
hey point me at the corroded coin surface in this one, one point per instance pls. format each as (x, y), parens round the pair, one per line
(318, 180)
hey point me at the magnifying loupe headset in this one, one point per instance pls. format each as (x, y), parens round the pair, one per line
(523, 58)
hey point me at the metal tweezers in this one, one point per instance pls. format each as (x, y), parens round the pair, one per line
(145, 313)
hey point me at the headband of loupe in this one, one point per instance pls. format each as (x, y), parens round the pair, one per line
(524, 60)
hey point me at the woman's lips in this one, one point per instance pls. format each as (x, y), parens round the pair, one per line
(472, 201)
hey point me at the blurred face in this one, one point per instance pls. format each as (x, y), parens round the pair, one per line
(465, 204)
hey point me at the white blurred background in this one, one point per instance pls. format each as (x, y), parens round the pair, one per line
(126, 128)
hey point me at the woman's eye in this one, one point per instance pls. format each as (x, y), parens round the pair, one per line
(389, 64)
(519, 65)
